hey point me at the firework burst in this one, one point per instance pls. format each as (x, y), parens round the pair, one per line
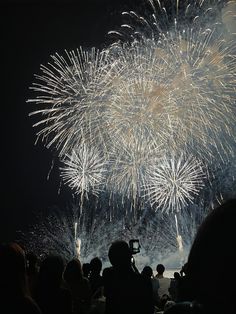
(84, 170)
(179, 86)
(173, 182)
(167, 81)
(72, 90)
(129, 161)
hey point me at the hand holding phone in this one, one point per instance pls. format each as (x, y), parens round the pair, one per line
(134, 246)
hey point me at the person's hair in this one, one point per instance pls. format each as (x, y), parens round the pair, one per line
(214, 246)
(147, 271)
(176, 275)
(51, 270)
(73, 271)
(160, 269)
(119, 253)
(95, 265)
(13, 269)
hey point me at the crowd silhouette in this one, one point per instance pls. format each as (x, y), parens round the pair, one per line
(52, 286)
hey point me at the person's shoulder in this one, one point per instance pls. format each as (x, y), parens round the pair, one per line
(107, 271)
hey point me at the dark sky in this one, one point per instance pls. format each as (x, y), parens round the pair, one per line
(31, 32)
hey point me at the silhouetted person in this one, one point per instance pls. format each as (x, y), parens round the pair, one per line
(86, 269)
(174, 286)
(184, 287)
(79, 287)
(210, 271)
(163, 281)
(126, 291)
(14, 293)
(50, 295)
(95, 278)
(148, 273)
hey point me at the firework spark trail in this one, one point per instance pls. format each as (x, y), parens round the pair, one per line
(171, 85)
(55, 233)
(51, 234)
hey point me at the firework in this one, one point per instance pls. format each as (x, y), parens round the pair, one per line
(166, 84)
(84, 170)
(72, 90)
(69, 234)
(180, 88)
(129, 161)
(91, 233)
(173, 182)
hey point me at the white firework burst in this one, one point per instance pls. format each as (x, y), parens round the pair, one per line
(174, 182)
(172, 85)
(84, 170)
(72, 90)
(128, 163)
(179, 86)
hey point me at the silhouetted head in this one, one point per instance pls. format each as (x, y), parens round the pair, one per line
(147, 271)
(51, 270)
(119, 254)
(86, 269)
(96, 265)
(12, 269)
(214, 247)
(73, 271)
(160, 269)
(177, 275)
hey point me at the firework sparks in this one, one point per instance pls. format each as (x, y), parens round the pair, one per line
(55, 233)
(179, 87)
(84, 171)
(172, 85)
(72, 90)
(174, 182)
(129, 162)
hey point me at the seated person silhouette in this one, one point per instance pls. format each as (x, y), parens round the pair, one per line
(95, 279)
(126, 291)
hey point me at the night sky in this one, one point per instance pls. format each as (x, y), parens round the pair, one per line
(31, 32)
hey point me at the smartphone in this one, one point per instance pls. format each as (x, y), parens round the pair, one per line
(134, 246)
